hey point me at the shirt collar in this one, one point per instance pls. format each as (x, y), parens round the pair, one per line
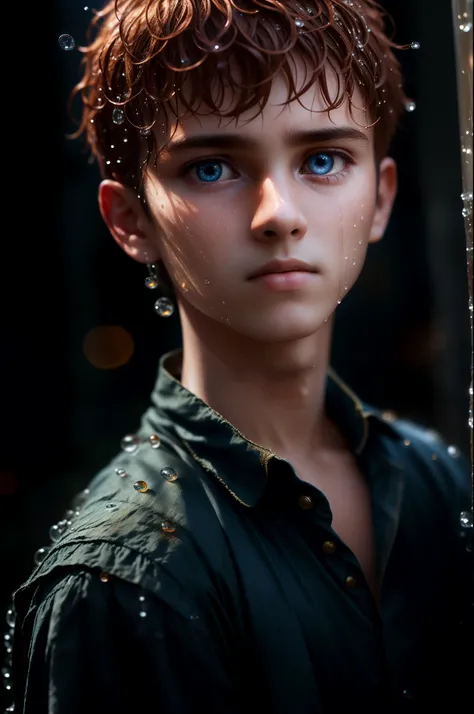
(221, 449)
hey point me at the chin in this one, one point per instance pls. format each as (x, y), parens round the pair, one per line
(284, 329)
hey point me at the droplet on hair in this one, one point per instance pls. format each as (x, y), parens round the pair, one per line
(299, 22)
(410, 106)
(66, 42)
(118, 116)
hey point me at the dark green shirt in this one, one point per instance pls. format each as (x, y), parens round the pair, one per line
(217, 588)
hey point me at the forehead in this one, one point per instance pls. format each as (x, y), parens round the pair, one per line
(276, 118)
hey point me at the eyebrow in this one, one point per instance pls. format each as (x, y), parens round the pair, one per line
(292, 139)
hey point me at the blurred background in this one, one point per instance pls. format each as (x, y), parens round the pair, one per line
(401, 338)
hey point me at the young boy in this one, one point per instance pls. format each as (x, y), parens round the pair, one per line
(266, 541)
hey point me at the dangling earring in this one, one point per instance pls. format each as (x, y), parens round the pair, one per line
(163, 306)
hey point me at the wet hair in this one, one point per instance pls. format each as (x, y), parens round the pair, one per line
(142, 53)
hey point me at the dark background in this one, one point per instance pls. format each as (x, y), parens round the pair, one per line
(401, 337)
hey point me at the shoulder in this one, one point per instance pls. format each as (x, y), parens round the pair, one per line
(430, 464)
(144, 519)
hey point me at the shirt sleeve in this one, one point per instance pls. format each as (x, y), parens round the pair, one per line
(93, 644)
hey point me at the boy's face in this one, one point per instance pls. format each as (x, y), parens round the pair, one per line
(267, 197)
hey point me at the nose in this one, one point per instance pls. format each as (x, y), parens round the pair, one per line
(277, 217)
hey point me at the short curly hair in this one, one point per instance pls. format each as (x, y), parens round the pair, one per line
(141, 52)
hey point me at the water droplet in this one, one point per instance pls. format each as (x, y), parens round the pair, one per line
(141, 598)
(360, 44)
(66, 42)
(151, 283)
(466, 519)
(467, 27)
(194, 617)
(407, 442)
(55, 532)
(146, 131)
(467, 196)
(11, 618)
(217, 47)
(466, 212)
(167, 527)
(86, 8)
(142, 613)
(164, 307)
(299, 22)
(118, 116)
(130, 443)
(110, 505)
(206, 282)
(141, 486)
(169, 474)
(415, 45)
(453, 451)
(410, 106)
(104, 577)
(121, 472)
(154, 441)
(40, 555)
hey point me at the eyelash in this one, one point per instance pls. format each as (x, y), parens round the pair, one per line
(331, 178)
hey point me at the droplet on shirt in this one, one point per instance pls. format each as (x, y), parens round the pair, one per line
(40, 555)
(140, 486)
(167, 527)
(130, 443)
(169, 474)
(154, 441)
(104, 577)
(466, 519)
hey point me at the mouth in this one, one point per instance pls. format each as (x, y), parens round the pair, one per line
(286, 280)
(282, 267)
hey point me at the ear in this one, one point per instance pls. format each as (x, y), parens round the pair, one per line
(127, 222)
(386, 193)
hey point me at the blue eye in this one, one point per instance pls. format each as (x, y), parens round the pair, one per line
(321, 163)
(208, 171)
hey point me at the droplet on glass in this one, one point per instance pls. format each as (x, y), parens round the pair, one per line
(66, 42)
(467, 27)
(466, 519)
(467, 196)
(167, 527)
(140, 486)
(169, 474)
(118, 116)
(104, 577)
(410, 106)
(466, 212)
(415, 45)
(154, 441)
(151, 283)
(164, 307)
(40, 555)
(11, 618)
(130, 443)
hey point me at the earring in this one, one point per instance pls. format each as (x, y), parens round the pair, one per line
(163, 306)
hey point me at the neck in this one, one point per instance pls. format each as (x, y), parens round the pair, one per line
(274, 394)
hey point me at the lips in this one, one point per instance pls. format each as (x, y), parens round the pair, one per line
(283, 266)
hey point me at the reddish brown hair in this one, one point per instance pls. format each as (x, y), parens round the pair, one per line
(141, 52)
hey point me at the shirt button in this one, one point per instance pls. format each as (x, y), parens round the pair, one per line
(351, 582)
(305, 502)
(329, 546)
